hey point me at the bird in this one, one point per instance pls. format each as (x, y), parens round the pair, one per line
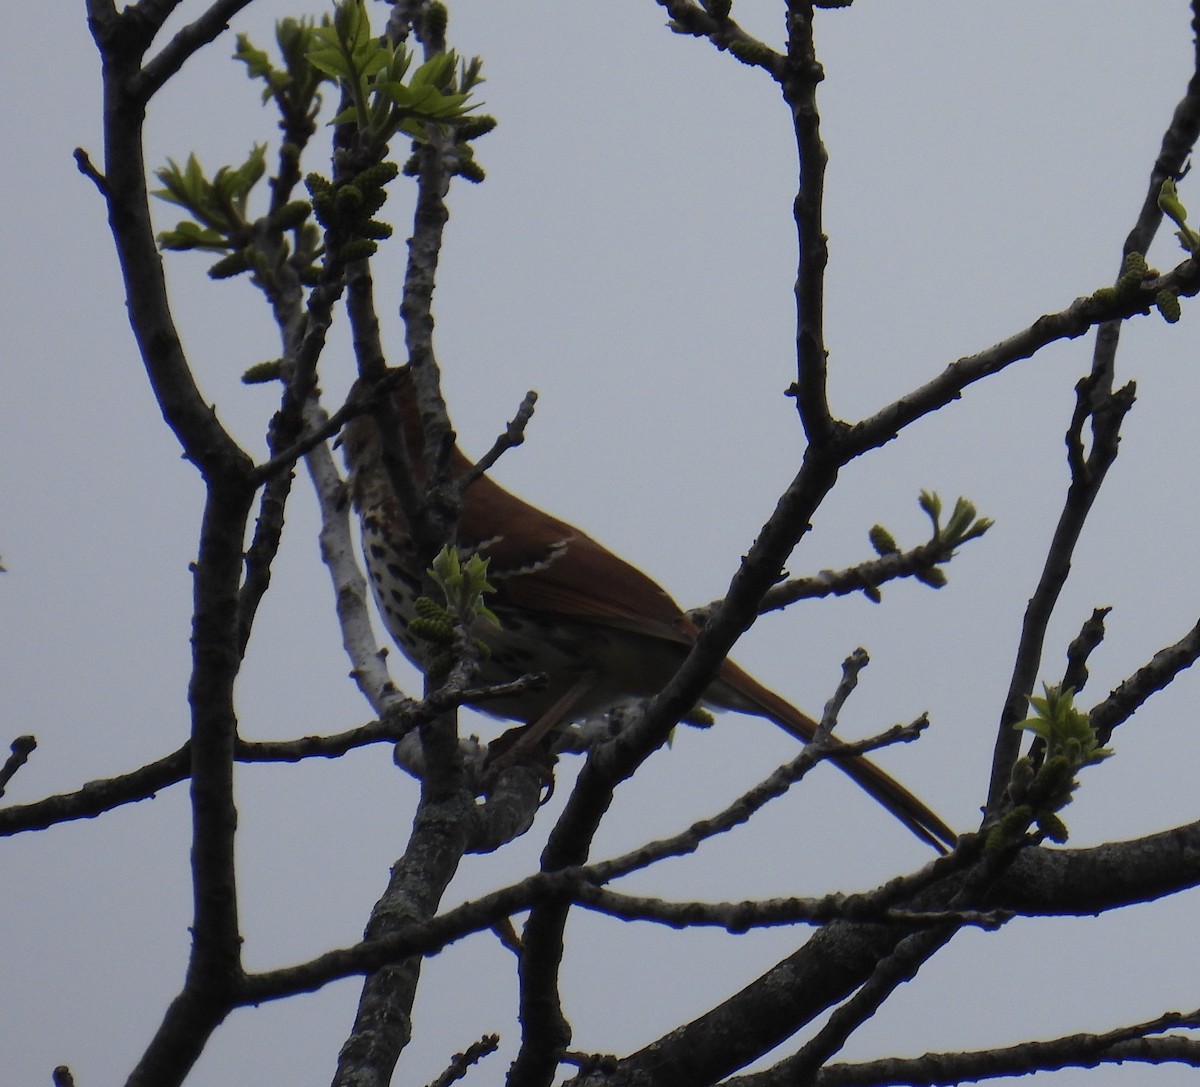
(601, 631)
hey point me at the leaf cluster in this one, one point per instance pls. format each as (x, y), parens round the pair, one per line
(1135, 273)
(463, 585)
(964, 524)
(384, 99)
(295, 86)
(220, 224)
(218, 204)
(1068, 744)
(348, 206)
(371, 73)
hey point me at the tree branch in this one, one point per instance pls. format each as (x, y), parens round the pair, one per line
(1069, 1051)
(1087, 476)
(709, 22)
(444, 822)
(1153, 676)
(739, 917)
(190, 40)
(205, 442)
(1039, 882)
(1090, 635)
(20, 750)
(513, 436)
(798, 80)
(748, 804)
(462, 1063)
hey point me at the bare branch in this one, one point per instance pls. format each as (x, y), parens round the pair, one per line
(749, 803)
(445, 817)
(701, 22)
(462, 1063)
(190, 40)
(383, 1026)
(1177, 143)
(87, 168)
(738, 917)
(1130, 1043)
(1077, 882)
(309, 440)
(851, 667)
(260, 555)
(899, 966)
(22, 747)
(350, 590)
(96, 797)
(798, 80)
(1090, 635)
(1087, 476)
(514, 435)
(865, 577)
(1153, 676)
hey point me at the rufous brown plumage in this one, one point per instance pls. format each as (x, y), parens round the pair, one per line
(600, 630)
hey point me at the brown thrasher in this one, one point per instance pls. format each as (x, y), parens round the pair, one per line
(602, 631)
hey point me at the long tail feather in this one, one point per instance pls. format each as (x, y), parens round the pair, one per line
(738, 690)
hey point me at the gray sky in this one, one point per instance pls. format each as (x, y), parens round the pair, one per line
(630, 256)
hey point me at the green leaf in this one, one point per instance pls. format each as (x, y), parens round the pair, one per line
(931, 503)
(1065, 730)
(464, 584)
(332, 61)
(183, 186)
(350, 21)
(234, 183)
(372, 75)
(232, 264)
(437, 71)
(345, 117)
(1171, 206)
(258, 64)
(218, 205)
(398, 65)
(189, 235)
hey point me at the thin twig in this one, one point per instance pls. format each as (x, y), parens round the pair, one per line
(744, 807)
(308, 441)
(22, 747)
(192, 38)
(739, 917)
(1131, 1043)
(1090, 635)
(1153, 676)
(691, 18)
(798, 80)
(461, 1063)
(1087, 476)
(88, 169)
(852, 666)
(514, 435)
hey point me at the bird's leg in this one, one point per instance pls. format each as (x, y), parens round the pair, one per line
(525, 743)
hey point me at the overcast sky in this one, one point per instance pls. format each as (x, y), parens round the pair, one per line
(631, 257)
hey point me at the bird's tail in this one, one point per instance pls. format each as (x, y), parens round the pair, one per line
(737, 690)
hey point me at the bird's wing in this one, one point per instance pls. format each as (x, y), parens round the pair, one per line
(575, 576)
